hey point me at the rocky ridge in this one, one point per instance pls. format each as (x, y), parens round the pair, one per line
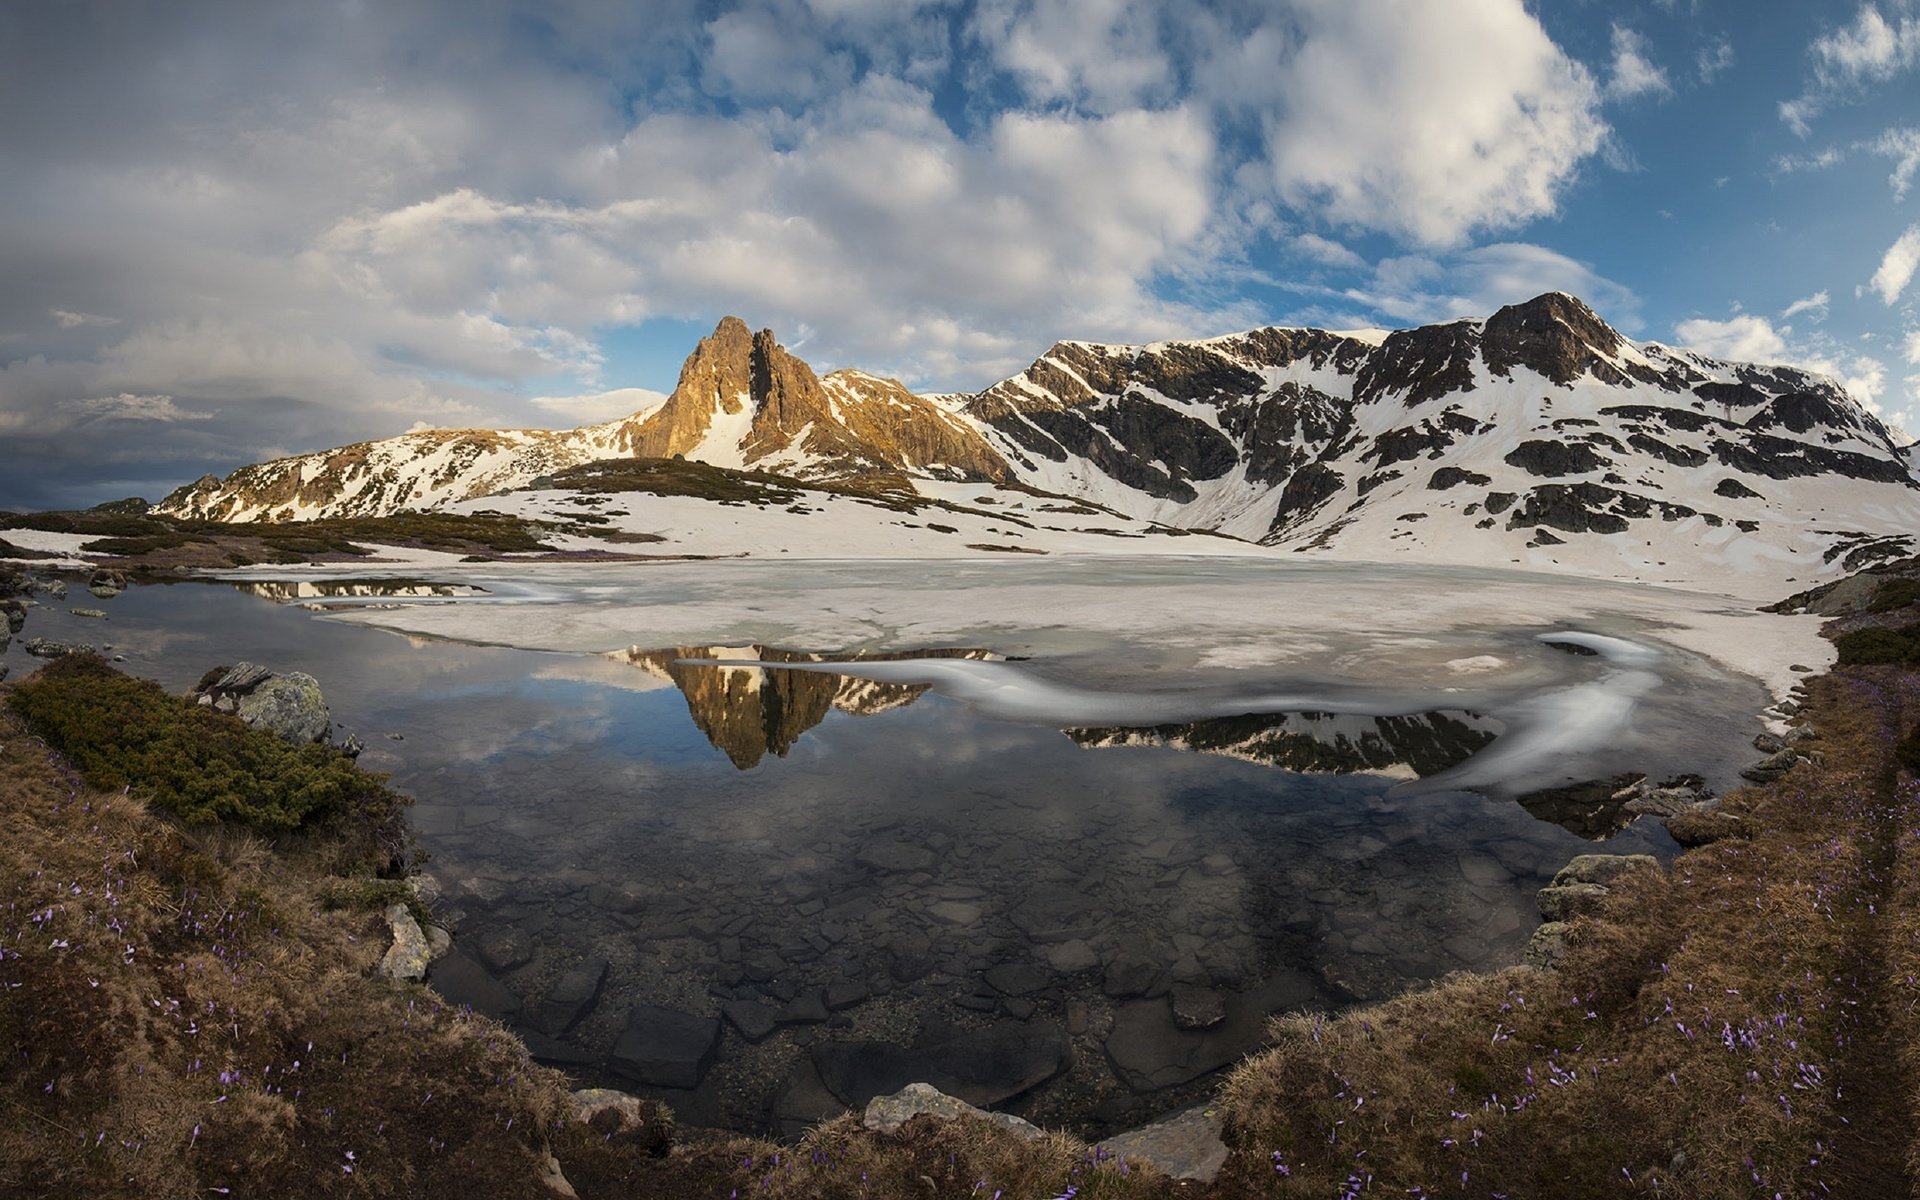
(1538, 436)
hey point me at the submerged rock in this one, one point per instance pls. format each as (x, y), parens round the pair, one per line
(573, 996)
(663, 1047)
(980, 1066)
(46, 648)
(465, 983)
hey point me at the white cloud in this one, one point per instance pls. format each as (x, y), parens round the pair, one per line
(595, 407)
(1897, 266)
(1869, 51)
(1744, 338)
(1912, 349)
(1415, 289)
(1423, 120)
(1103, 54)
(1634, 72)
(128, 406)
(1747, 337)
(1814, 306)
(868, 217)
(1326, 251)
(68, 319)
(1713, 58)
(1902, 145)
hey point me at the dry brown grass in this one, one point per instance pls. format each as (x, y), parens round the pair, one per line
(839, 1160)
(1710, 1033)
(180, 1016)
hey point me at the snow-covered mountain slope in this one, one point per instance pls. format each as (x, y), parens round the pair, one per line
(1539, 436)
(742, 401)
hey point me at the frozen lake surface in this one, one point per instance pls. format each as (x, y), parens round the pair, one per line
(1060, 834)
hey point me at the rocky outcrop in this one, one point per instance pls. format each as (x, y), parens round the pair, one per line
(886, 1114)
(1302, 438)
(406, 959)
(290, 705)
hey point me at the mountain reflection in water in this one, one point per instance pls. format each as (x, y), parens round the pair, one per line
(749, 708)
(1408, 747)
(293, 591)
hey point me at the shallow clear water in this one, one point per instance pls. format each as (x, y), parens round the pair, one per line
(898, 884)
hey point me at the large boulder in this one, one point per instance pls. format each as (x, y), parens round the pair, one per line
(406, 959)
(290, 705)
(885, 1114)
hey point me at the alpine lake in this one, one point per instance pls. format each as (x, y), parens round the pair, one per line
(765, 893)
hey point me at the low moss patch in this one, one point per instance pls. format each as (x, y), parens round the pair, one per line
(196, 764)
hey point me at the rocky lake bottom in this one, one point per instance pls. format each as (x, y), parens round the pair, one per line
(764, 894)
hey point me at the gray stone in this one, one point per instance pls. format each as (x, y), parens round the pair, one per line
(1016, 979)
(663, 1047)
(982, 1066)
(1185, 1145)
(804, 1101)
(439, 941)
(406, 959)
(553, 1052)
(1547, 946)
(1196, 1007)
(289, 705)
(95, 614)
(886, 1114)
(1771, 767)
(753, 1019)
(1602, 869)
(894, 856)
(955, 912)
(1057, 914)
(1563, 902)
(589, 1103)
(1149, 1052)
(846, 994)
(572, 996)
(47, 648)
(1070, 957)
(807, 1008)
(504, 949)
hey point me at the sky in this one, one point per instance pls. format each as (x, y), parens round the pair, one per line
(234, 230)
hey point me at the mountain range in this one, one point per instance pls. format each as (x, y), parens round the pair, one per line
(1539, 436)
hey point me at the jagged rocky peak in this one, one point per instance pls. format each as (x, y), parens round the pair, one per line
(1557, 336)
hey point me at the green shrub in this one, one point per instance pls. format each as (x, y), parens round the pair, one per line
(1862, 647)
(1895, 594)
(199, 765)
